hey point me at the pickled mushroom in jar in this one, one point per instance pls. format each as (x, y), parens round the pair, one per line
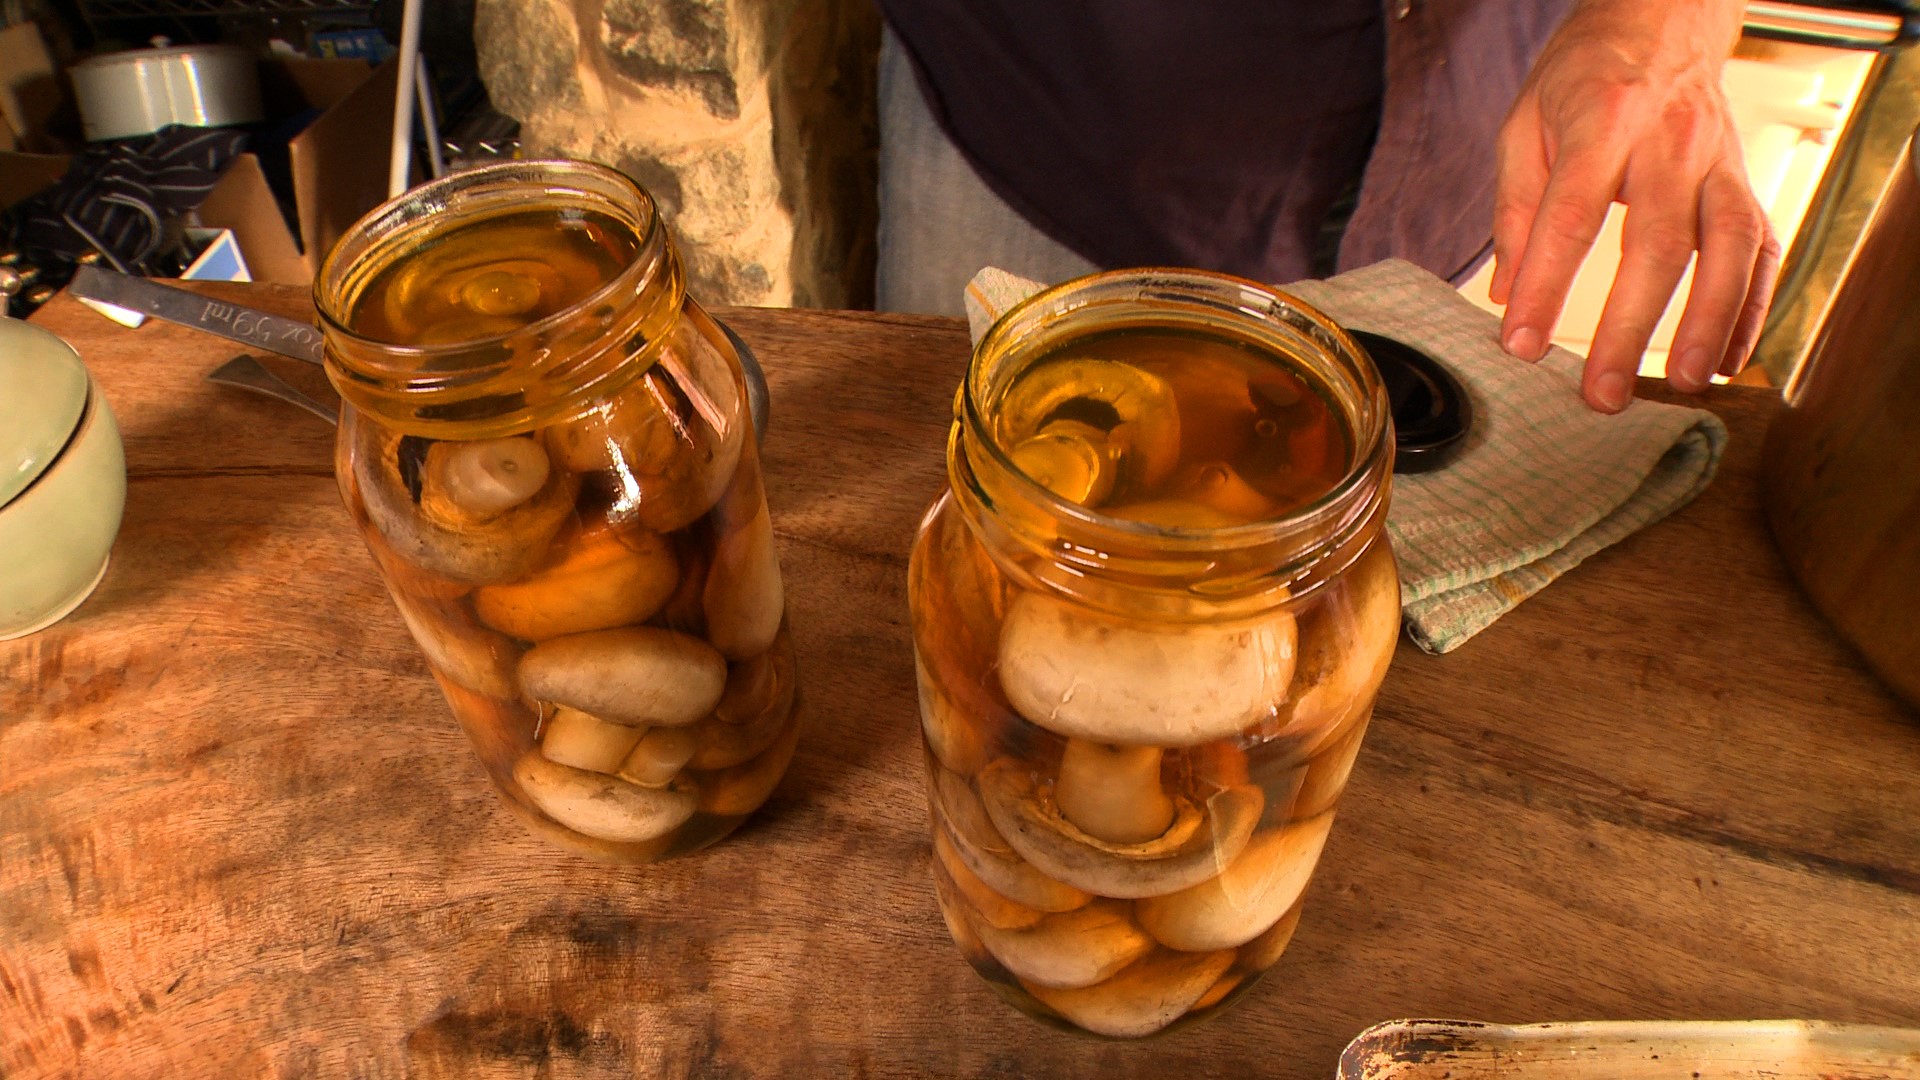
(1090, 675)
(1130, 412)
(602, 807)
(584, 741)
(637, 675)
(984, 903)
(1242, 901)
(1073, 460)
(1345, 648)
(658, 757)
(1070, 949)
(1199, 840)
(476, 512)
(741, 789)
(1113, 793)
(1140, 1000)
(955, 738)
(493, 277)
(986, 853)
(472, 656)
(666, 460)
(593, 580)
(752, 712)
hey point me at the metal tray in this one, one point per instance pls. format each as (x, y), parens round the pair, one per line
(1626, 1050)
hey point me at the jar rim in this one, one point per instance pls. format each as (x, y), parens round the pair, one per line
(481, 188)
(1368, 410)
(513, 381)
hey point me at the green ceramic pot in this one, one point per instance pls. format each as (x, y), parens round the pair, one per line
(63, 480)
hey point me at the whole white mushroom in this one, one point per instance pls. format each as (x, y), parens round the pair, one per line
(1089, 675)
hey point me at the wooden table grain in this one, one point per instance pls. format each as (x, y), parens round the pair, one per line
(240, 834)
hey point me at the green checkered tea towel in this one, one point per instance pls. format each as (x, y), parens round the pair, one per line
(1544, 480)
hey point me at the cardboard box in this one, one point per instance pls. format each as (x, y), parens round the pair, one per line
(338, 164)
(31, 94)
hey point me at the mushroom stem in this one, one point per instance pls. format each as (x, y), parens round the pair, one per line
(485, 478)
(1191, 850)
(657, 757)
(585, 741)
(1113, 792)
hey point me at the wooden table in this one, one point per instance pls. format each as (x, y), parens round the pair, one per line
(241, 836)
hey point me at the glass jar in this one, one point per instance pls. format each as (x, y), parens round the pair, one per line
(546, 445)
(1150, 617)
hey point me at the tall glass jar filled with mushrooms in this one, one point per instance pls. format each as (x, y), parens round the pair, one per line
(1150, 616)
(546, 445)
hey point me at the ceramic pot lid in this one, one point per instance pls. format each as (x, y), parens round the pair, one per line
(43, 391)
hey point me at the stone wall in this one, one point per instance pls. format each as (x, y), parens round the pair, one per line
(751, 121)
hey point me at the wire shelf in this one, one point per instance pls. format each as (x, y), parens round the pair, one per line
(97, 10)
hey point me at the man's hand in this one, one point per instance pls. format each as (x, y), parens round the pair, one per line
(1625, 105)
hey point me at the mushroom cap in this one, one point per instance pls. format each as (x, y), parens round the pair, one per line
(1143, 998)
(740, 790)
(1071, 460)
(602, 807)
(752, 711)
(1264, 951)
(1345, 648)
(594, 580)
(953, 738)
(1250, 895)
(667, 461)
(983, 903)
(1194, 848)
(1086, 674)
(1068, 949)
(480, 552)
(987, 854)
(472, 656)
(1134, 408)
(1326, 774)
(744, 599)
(632, 675)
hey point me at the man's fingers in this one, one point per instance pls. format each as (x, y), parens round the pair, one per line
(1572, 209)
(1733, 229)
(1522, 181)
(1753, 315)
(1658, 243)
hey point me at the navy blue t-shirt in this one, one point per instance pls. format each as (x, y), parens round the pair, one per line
(1221, 134)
